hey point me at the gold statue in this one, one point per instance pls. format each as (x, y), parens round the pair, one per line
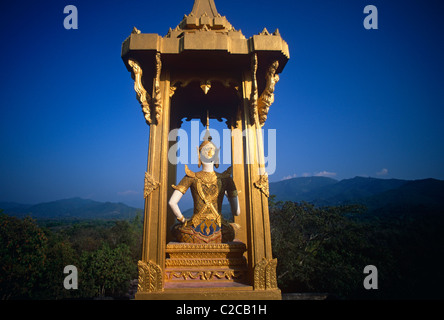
(208, 189)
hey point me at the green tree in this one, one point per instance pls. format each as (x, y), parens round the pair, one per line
(59, 254)
(23, 255)
(319, 249)
(106, 271)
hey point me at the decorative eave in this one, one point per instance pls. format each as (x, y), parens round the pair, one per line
(207, 44)
(204, 29)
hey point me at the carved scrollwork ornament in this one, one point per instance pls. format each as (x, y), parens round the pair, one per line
(265, 274)
(267, 97)
(254, 94)
(206, 275)
(150, 277)
(142, 95)
(262, 184)
(150, 185)
(157, 96)
(172, 91)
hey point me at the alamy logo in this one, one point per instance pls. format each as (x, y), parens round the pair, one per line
(371, 21)
(71, 21)
(371, 281)
(179, 152)
(70, 281)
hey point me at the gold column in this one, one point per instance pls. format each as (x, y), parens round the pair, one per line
(152, 265)
(238, 165)
(261, 263)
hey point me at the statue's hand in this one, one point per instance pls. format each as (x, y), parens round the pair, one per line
(182, 220)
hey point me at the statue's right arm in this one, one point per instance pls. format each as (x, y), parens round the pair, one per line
(174, 200)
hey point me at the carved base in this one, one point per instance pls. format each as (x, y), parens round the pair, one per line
(207, 272)
(188, 262)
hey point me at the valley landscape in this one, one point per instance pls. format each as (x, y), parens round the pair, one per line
(324, 232)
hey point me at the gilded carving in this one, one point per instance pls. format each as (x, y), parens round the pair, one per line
(205, 275)
(142, 95)
(150, 185)
(193, 261)
(267, 97)
(253, 98)
(259, 275)
(205, 86)
(271, 281)
(157, 97)
(207, 247)
(205, 82)
(150, 277)
(205, 17)
(205, 262)
(262, 184)
(265, 274)
(172, 91)
(198, 255)
(264, 32)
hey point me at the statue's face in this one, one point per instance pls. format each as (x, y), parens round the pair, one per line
(207, 153)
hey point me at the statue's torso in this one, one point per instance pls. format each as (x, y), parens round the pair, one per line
(208, 190)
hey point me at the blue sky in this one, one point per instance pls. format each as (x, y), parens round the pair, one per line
(350, 102)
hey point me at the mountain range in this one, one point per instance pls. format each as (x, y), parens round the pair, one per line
(380, 196)
(73, 208)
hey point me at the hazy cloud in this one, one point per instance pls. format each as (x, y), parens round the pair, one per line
(290, 177)
(325, 174)
(307, 174)
(383, 172)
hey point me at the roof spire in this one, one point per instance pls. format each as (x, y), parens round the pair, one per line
(203, 17)
(201, 7)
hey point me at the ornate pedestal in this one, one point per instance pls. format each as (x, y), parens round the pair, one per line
(208, 271)
(191, 265)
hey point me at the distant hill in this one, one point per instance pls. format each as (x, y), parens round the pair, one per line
(379, 195)
(327, 191)
(420, 196)
(74, 208)
(13, 205)
(300, 189)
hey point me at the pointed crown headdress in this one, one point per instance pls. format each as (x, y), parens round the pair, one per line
(208, 140)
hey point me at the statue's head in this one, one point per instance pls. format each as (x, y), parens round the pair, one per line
(208, 153)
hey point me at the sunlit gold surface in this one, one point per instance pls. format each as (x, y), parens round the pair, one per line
(205, 64)
(142, 96)
(150, 185)
(208, 190)
(267, 97)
